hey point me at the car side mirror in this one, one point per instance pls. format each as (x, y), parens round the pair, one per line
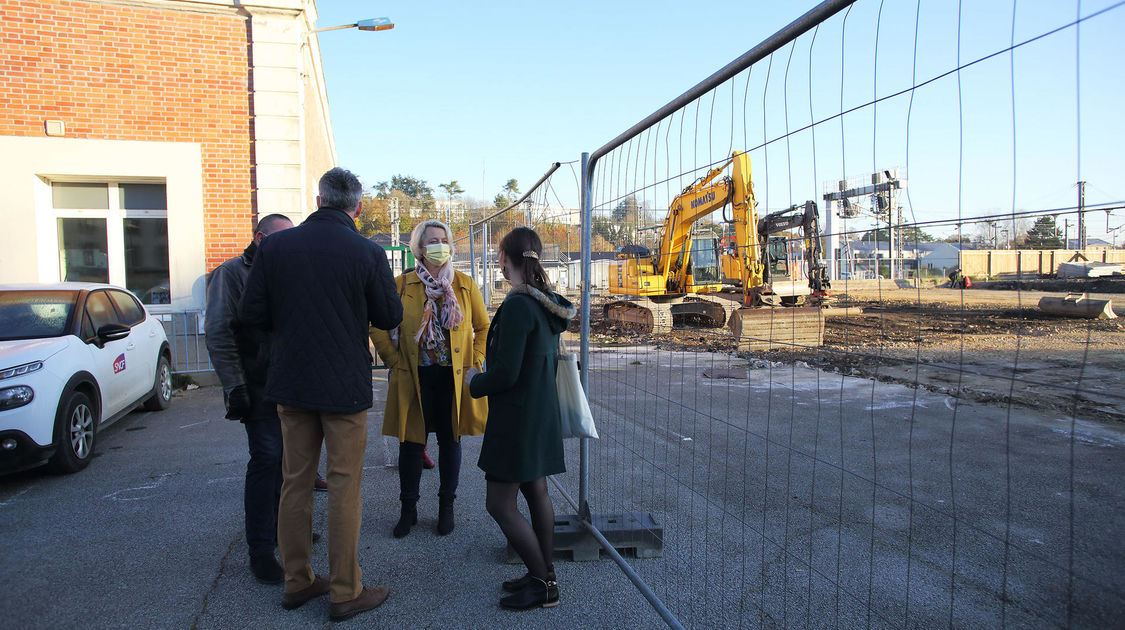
(112, 332)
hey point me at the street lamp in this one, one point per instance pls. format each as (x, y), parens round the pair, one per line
(373, 24)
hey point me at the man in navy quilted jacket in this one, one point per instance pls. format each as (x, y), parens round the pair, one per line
(316, 288)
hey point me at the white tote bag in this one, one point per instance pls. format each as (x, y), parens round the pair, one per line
(574, 409)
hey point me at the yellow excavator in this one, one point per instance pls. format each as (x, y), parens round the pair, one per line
(686, 274)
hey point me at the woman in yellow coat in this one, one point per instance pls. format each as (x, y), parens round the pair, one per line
(442, 335)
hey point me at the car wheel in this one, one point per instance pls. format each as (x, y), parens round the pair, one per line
(75, 429)
(161, 397)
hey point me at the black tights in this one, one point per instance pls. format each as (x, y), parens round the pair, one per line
(535, 541)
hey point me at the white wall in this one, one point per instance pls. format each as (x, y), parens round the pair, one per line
(29, 241)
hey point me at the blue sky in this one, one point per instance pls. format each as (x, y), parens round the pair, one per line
(515, 85)
(484, 92)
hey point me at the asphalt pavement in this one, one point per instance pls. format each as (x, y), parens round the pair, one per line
(788, 497)
(151, 535)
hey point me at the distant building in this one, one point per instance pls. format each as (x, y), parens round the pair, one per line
(399, 256)
(939, 256)
(139, 139)
(1091, 243)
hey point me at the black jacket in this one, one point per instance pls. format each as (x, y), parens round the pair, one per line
(240, 354)
(316, 287)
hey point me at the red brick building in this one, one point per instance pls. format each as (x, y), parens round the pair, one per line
(139, 139)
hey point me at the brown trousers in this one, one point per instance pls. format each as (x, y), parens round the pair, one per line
(345, 439)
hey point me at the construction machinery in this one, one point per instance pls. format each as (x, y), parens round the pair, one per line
(774, 269)
(685, 275)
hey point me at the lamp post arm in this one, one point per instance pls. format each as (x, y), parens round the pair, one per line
(333, 28)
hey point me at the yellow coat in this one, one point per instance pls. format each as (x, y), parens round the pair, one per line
(402, 417)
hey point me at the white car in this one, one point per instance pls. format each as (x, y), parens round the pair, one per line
(74, 357)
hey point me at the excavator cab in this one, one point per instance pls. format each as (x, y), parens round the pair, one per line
(705, 262)
(777, 257)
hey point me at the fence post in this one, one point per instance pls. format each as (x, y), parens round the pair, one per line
(484, 266)
(472, 255)
(584, 352)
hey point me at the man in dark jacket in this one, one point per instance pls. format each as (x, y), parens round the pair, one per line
(240, 356)
(317, 288)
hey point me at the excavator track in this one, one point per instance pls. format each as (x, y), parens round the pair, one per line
(649, 315)
(715, 311)
(641, 314)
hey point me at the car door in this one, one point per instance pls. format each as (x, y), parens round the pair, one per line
(141, 352)
(110, 361)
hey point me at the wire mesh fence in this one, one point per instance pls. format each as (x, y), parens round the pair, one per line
(935, 456)
(541, 208)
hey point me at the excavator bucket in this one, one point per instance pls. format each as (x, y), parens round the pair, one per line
(768, 328)
(1074, 305)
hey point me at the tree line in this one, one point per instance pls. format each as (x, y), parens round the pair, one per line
(417, 201)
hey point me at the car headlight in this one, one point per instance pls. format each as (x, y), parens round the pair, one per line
(18, 396)
(20, 370)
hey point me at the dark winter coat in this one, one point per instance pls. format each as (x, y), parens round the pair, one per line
(240, 354)
(316, 288)
(523, 440)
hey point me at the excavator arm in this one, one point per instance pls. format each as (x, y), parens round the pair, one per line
(749, 263)
(803, 216)
(696, 201)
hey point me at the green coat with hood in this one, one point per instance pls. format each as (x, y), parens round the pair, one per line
(523, 440)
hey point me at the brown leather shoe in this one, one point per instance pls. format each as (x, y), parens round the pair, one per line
(368, 599)
(319, 587)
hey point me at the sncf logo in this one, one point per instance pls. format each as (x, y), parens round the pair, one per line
(119, 364)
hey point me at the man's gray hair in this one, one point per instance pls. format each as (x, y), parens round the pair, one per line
(340, 189)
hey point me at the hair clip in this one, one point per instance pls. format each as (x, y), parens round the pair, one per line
(531, 254)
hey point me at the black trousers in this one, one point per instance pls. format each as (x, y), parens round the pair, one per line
(436, 392)
(263, 484)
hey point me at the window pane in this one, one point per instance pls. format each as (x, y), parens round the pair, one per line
(87, 327)
(34, 314)
(146, 259)
(131, 313)
(143, 196)
(74, 195)
(83, 250)
(100, 310)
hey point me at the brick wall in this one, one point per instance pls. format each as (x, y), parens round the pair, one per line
(137, 73)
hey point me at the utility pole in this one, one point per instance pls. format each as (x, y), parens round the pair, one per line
(1082, 216)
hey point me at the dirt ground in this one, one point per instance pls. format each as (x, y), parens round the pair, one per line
(983, 344)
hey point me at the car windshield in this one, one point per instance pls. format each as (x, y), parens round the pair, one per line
(34, 314)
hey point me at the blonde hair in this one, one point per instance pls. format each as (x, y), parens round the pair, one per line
(416, 238)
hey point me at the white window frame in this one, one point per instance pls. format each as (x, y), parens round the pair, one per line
(114, 217)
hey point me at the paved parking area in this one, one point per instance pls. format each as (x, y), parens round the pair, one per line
(151, 536)
(772, 490)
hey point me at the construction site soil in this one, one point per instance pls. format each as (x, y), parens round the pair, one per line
(984, 344)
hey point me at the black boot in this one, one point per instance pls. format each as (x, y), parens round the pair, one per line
(266, 569)
(445, 516)
(408, 519)
(536, 594)
(517, 584)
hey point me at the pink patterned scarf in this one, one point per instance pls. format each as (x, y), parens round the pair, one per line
(433, 321)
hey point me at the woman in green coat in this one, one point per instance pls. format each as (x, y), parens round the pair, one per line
(522, 440)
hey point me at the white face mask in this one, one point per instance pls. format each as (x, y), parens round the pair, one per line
(438, 253)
